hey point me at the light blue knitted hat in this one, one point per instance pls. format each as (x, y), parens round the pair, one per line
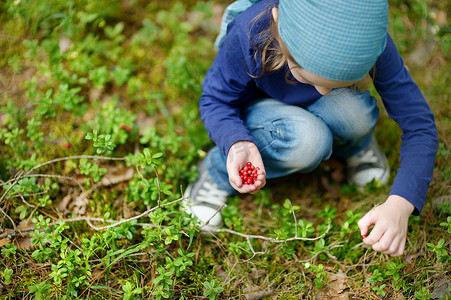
(335, 39)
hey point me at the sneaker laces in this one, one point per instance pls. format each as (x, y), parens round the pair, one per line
(367, 156)
(367, 165)
(205, 200)
(210, 193)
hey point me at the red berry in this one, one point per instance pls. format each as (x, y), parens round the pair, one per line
(126, 127)
(363, 236)
(66, 145)
(249, 164)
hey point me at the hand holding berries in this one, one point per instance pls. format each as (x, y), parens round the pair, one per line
(240, 154)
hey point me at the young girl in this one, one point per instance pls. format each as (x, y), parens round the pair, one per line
(282, 94)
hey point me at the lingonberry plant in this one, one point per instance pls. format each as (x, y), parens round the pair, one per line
(100, 134)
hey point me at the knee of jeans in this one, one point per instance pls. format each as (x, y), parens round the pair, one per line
(356, 128)
(358, 116)
(306, 146)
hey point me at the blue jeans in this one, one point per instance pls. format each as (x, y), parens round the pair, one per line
(294, 139)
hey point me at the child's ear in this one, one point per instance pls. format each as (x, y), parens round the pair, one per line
(275, 14)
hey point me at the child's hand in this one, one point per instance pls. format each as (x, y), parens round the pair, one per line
(390, 221)
(239, 155)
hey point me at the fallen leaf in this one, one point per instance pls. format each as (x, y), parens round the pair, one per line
(25, 224)
(62, 206)
(398, 296)
(411, 257)
(4, 241)
(255, 292)
(335, 289)
(256, 274)
(23, 242)
(95, 93)
(337, 282)
(220, 273)
(78, 207)
(115, 179)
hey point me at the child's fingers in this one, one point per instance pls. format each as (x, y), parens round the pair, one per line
(235, 180)
(394, 249)
(385, 244)
(383, 238)
(365, 222)
(401, 247)
(261, 182)
(375, 236)
(258, 185)
(392, 244)
(247, 188)
(237, 184)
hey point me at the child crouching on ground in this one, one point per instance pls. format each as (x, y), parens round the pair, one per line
(281, 94)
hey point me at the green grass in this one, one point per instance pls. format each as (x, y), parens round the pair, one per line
(99, 123)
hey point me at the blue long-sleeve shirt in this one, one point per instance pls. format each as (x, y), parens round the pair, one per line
(228, 86)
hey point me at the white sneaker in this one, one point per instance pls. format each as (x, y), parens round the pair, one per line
(205, 200)
(368, 165)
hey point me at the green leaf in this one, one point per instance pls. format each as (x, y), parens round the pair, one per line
(157, 155)
(147, 152)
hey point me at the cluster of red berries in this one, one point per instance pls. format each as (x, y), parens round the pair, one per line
(249, 173)
(126, 127)
(66, 145)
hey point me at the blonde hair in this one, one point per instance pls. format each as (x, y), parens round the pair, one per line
(273, 53)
